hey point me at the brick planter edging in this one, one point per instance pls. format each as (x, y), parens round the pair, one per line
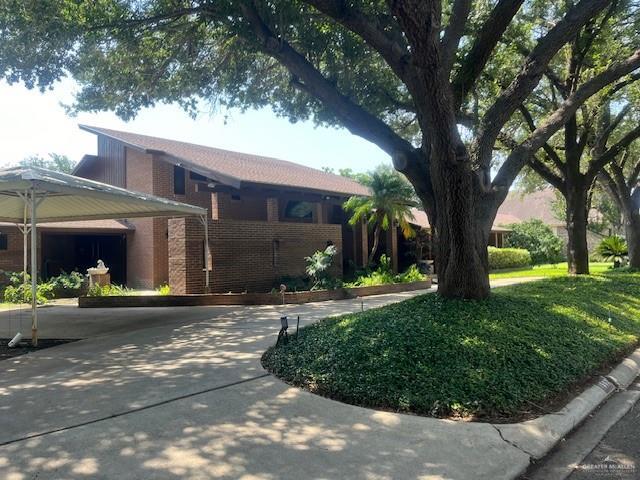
(247, 298)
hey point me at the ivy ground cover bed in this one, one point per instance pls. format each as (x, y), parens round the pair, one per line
(526, 346)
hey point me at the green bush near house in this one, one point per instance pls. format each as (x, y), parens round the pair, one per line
(384, 275)
(109, 291)
(500, 258)
(19, 292)
(487, 359)
(68, 285)
(318, 266)
(65, 285)
(538, 239)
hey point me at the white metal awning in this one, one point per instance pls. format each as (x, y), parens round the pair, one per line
(65, 197)
(29, 196)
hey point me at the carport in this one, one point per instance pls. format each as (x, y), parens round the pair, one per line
(29, 196)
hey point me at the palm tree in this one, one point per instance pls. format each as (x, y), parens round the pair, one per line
(391, 200)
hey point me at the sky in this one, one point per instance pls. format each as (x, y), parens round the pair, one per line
(36, 123)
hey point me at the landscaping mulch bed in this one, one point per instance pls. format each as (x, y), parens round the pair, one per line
(25, 347)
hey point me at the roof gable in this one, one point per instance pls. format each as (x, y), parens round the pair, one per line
(234, 168)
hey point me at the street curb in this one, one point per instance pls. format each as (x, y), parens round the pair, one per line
(538, 436)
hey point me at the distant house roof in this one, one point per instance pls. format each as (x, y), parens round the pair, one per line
(522, 206)
(420, 219)
(234, 168)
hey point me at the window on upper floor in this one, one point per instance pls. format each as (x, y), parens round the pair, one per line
(179, 180)
(197, 177)
(4, 241)
(297, 210)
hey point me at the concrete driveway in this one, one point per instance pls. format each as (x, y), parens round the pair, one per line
(179, 393)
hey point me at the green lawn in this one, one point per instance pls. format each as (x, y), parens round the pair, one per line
(490, 358)
(546, 270)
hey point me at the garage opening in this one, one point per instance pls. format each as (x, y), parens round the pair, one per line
(69, 252)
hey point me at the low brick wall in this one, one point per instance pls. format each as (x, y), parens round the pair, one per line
(247, 298)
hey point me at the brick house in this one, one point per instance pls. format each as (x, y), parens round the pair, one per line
(265, 215)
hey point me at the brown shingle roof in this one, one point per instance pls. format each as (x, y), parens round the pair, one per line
(527, 206)
(241, 167)
(420, 219)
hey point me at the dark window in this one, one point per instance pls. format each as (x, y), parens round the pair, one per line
(179, 180)
(235, 197)
(197, 177)
(4, 241)
(299, 210)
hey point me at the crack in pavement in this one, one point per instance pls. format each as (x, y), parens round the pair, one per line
(133, 410)
(514, 445)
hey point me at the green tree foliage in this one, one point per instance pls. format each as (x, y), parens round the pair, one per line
(390, 201)
(403, 75)
(318, 266)
(594, 135)
(538, 239)
(360, 177)
(58, 163)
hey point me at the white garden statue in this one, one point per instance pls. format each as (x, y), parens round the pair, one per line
(99, 269)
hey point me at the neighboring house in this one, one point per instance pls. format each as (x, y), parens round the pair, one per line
(519, 207)
(498, 230)
(420, 220)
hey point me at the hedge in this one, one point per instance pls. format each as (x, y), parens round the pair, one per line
(500, 258)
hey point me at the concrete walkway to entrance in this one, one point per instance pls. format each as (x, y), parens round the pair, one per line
(179, 393)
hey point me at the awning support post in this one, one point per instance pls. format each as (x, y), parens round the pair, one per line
(34, 269)
(204, 219)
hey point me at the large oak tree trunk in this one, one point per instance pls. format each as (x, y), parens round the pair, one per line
(577, 248)
(461, 255)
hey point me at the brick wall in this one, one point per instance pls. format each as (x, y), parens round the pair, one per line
(11, 259)
(246, 255)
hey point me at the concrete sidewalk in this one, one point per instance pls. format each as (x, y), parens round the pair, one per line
(180, 394)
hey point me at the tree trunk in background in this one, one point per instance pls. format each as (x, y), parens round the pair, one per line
(376, 242)
(632, 231)
(577, 248)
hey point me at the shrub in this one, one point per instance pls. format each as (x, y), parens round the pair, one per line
(412, 274)
(164, 290)
(18, 292)
(384, 275)
(538, 239)
(109, 291)
(68, 285)
(613, 249)
(318, 266)
(500, 258)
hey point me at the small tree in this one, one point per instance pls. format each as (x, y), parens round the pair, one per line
(537, 238)
(318, 266)
(391, 200)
